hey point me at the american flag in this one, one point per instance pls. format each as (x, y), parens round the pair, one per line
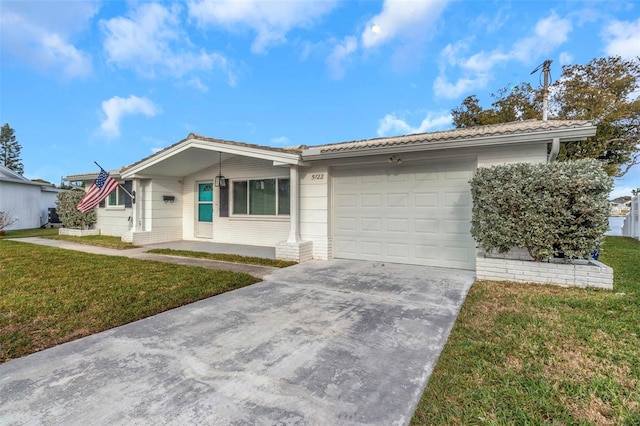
(101, 188)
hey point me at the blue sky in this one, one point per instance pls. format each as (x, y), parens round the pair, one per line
(115, 81)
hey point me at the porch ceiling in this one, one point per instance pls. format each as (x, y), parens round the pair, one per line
(184, 163)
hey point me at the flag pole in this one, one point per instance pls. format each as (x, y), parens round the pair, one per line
(133, 197)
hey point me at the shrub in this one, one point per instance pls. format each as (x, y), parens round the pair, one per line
(69, 214)
(557, 209)
(6, 219)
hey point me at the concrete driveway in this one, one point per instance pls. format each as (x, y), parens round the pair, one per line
(321, 343)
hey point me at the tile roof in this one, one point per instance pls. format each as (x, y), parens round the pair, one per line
(502, 129)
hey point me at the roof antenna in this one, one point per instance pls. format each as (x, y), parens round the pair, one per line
(546, 69)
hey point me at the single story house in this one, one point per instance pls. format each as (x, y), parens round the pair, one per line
(25, 201)
(402, 199)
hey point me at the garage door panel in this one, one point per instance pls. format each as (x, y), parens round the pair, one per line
(425, 176)
(427, 252)
(347, 224)
(425, 226)
(371, 224)
(371, 248)
(370, 178)
(397, 178)
(346, 200)
(398, 250)
(348, 248)
(397, 201)
(397, 225)
(417, 214)
(425, 199)
(459, 227)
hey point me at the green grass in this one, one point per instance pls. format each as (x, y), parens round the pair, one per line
(37, 232)
(235, 258)
(49, 296)
(95, 240)
(52, 234)
(532, 354)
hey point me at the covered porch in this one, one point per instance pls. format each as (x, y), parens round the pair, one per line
(216, 194)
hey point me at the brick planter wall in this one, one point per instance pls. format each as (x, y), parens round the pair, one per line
(78, 232)
(578, 273)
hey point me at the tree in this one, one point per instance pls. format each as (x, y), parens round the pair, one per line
(511, 104)
(10, 150)
(6, 219)
(604, 91)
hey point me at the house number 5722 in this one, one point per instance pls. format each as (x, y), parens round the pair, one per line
(317, 176)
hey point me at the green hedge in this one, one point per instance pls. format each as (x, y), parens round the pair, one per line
(69, 214)
(557, 209)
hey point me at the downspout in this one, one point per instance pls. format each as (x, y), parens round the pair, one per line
(555, 148)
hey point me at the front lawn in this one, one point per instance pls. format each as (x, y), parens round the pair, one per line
(536, 354)
(36, 232)
(225, 257)
(49, 296)
(52, 234)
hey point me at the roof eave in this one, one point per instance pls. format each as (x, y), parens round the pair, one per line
(275, 156)
(565, 135)
(86, 177)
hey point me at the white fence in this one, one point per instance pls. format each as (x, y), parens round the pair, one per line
(631, 227)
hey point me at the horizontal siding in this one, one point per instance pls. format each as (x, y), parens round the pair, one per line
(529, 153)
(314, 209)
(22, 203)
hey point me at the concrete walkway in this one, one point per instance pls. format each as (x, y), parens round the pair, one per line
(141, 253)
(320, 343)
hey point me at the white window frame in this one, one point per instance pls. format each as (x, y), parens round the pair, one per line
(248, 201)
(120, 194)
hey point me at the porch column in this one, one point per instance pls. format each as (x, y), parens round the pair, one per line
(294, 248)
(134, 206)
(294, 205)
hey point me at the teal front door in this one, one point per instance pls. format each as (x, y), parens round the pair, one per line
(204, 210)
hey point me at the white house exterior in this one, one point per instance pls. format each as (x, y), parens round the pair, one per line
(631, 226)
(400, 199)
(24, 200)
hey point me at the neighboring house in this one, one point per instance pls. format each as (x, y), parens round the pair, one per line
(400, 199)
(25, 200)
(620, 206)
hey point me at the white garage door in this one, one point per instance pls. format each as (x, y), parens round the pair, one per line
(418, 214)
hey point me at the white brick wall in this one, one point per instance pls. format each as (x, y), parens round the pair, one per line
(299, 252)
(578, 274)
(114, 221)
(315, 209)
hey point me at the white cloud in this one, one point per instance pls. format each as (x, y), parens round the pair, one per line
(465, 85)
(392, 125)
(623, 39)
(408, 20)
(271, 20)
(340, 54)
(116, 108)
(150, 41)
(475, 71)
(196, 83)
(280, 141)
(549, 33)
(39, 34)
(565, 58)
